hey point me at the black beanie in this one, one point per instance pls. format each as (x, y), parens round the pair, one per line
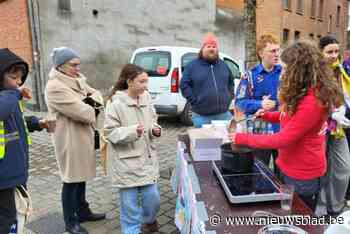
(326, 40)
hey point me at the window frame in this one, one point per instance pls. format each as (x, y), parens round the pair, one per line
(338, 16)
(288, 6)
(320, 12)
(300, 7)
(313, 9)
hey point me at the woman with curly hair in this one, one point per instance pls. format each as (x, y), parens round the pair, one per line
(307, 95)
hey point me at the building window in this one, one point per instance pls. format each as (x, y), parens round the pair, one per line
(330, 22)
(338, 16)
(300, 7)
(311, 35)
(287, 4)
(64, 5)
(285, 35)
(320, 10)
(296, 35)
(313, 8)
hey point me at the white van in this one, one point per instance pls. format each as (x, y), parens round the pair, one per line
(164, 65)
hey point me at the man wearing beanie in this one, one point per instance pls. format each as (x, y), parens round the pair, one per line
(208, 85)
(66, 96)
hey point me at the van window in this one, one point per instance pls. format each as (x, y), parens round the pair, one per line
(156, 63)
(187, 58)
(234, 68)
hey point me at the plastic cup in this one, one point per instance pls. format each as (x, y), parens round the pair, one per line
(287, 192)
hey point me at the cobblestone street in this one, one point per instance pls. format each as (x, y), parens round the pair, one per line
(45, 187)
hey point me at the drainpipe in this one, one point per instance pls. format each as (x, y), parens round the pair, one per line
(38, 83)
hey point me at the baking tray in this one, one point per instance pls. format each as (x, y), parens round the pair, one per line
(259, 186)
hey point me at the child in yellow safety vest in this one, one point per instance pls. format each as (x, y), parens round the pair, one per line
(14, 134)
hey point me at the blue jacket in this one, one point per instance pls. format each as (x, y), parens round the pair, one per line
(256, 84)
(14, 166)
(209, 88)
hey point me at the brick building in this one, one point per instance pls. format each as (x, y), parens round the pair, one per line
(14, 28)
(293, 19)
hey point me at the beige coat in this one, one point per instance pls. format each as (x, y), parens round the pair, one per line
(132, 160)
(73, 138)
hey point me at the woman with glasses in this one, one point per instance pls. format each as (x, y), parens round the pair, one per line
(70, 101)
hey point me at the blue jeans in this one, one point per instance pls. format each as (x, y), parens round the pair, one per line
(307, 190)
(199, 120)
(134, 211)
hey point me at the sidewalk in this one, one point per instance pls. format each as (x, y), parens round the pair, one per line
(45, 187)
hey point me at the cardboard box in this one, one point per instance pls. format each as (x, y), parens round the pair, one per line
(205, 144)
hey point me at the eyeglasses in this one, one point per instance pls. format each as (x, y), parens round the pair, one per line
(75, 65)
(274, 51)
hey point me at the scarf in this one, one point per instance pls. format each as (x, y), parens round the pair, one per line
(336, 130)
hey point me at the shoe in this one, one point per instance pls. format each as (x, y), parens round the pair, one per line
(92, 217)
(150, 227)
(76, 229)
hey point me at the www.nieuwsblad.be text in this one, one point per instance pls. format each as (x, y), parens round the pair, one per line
(217, 219)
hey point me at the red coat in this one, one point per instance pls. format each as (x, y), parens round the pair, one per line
(300, 142)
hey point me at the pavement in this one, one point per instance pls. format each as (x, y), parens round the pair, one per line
(45, 187)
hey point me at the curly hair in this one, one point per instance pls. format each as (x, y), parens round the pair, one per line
(306, 68)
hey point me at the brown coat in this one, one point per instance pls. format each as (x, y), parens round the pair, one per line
(73, 138)
(132, 160)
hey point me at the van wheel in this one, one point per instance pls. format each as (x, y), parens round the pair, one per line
(186, 115)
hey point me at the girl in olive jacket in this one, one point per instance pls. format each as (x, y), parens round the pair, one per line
(130, 127)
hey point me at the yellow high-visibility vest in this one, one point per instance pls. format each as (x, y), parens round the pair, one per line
(3, 137)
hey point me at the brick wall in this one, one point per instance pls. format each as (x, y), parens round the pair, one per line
(272, 18)
(14, 28)
(235, 5)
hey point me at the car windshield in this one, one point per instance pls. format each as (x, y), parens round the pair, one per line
(155, 63)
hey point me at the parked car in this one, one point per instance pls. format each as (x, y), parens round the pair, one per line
(165, 65)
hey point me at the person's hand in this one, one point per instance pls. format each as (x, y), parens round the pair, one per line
(44, 124)
(259, 113)
(25, 92)
(156, 132)
(268, 104)
(140, 130)
(232, 137)
(339, 116)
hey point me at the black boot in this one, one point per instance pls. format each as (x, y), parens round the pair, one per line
(85, 214)
(76, 229)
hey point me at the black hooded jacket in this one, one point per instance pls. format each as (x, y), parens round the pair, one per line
(8, 59)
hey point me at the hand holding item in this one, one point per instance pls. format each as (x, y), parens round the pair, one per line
(91, 102)
(47, 124)
(25, 92)
(140, 130)
(267, 103)
(260, 113)
(156, 131)
(339, 116)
